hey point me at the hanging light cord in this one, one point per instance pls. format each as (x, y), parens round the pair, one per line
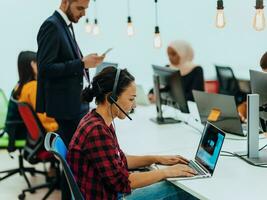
(156, 11)
(95, 10)
(128, 8)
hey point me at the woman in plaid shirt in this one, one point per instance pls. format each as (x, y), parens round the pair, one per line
(97, 162)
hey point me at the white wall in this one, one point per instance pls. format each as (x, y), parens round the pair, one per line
(237, 45)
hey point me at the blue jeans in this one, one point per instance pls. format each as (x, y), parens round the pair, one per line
(158, 191)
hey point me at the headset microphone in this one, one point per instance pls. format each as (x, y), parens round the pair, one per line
(113, 97)
(120, 108)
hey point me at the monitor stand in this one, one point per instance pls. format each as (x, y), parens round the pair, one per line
(261, 159)
(160, 119)
(165, 120)
(253, 155)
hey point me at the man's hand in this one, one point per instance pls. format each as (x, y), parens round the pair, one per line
(92, 60)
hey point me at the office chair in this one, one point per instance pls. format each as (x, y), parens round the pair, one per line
(54, 144)
(9, 127)
(34, 151)
(228, 84)
(211, 86)
(3, 109)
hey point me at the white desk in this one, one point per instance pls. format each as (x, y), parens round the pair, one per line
(232, 179)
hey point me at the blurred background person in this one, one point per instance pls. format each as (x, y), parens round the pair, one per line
(26, 89)
(242, 108)
(181, 55)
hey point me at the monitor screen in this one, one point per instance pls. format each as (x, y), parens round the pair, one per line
(258, 81)
(209, 147)
(170, 88)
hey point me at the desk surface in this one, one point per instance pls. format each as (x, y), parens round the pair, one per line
(233, 178)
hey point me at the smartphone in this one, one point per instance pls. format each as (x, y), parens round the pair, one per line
(107, 51)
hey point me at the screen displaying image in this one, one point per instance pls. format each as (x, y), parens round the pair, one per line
(209, 149)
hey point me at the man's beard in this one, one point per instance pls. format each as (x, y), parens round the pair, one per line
(70, 15)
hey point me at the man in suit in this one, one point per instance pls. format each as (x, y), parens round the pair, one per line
(61, 68)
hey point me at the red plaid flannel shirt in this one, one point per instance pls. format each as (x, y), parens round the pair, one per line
(96, 160)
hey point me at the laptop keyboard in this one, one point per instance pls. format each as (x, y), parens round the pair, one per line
(196, 168)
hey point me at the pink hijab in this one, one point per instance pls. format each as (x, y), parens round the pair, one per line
(186, 53)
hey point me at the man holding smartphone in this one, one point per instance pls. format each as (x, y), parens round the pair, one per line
(61, 67)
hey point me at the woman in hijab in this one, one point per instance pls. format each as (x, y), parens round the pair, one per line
(181, 56)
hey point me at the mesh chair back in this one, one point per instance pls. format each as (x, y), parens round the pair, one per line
(3, 109)
(53, 143)
(36, 133)
(32, 122)
(228, 83)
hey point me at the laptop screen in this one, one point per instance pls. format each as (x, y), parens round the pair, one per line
(209, 147)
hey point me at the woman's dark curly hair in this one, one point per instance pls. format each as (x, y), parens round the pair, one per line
(103, 84)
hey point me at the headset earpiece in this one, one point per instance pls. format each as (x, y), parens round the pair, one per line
(113, 97)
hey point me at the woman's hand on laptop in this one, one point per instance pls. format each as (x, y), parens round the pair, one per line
(179, 170)
(171, 160)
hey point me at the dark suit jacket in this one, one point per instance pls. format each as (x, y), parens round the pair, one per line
(60, 71)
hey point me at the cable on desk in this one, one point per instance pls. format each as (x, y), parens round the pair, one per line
(239, 138)
(193, 127)
(227, 154)
(263, 147)
(242, 158)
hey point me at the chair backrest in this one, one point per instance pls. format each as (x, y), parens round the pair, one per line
(53, 143)
(36, 132)
(228, 83)
(14, 125)
(211, 86)
(3, 108)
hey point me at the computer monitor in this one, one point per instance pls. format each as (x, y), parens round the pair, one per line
(103, 65)
(169, 91)
(258, 81)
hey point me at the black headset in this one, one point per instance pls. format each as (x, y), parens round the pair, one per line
(113, 97)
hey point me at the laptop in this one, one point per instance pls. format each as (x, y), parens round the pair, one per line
(141, 97)
(221, 110)
(103, 65)
(207, 154)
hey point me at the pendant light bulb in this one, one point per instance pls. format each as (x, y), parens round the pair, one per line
(220, 18)
(96, 30)
(88, 26)
(157, 38)
(259, 18)
(130, 27)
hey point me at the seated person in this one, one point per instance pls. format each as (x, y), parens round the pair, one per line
(181, 54)
(242, 108)
(263, 62)
(26, 89)
(99, 165)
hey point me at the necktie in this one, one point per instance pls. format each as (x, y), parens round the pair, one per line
(85, 71)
